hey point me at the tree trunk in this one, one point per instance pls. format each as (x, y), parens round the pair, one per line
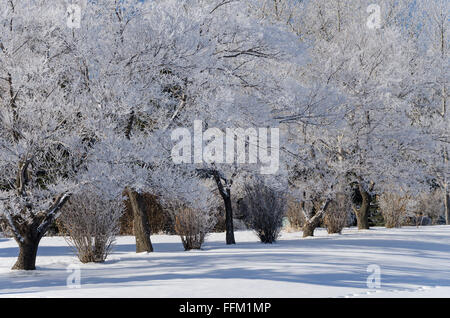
(229, 219)
(141, 226)
(362, 218)
(447, 206)
(27, 255)
(312, 223)
(225, 193)
(309, 227)
(362, 214)
(29, 234)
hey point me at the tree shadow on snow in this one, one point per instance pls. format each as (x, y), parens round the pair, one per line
(255, 261)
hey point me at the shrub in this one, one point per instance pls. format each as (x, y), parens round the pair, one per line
(91, 223)
(263, 209)
(294, 215)
(393, 208)
(5, 230)
(337, 214)
(192, 226)
(220, 224)
(431, 205)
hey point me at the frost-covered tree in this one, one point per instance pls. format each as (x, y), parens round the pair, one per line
(61, 114)
(429, 29)
(246, 78)
(365, 136)
(42, 144)
(94, 100)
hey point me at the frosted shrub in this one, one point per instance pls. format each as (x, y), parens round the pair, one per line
(263, 209)
(192, 208)
(393, 208)
(430, 204)
(337, 214)
(92, 224)
(193, 226)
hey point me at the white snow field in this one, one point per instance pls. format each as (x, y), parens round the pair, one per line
(414, 262)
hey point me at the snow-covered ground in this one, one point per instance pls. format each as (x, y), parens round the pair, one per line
(413, 262)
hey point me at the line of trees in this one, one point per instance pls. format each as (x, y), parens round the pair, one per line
(361, 110)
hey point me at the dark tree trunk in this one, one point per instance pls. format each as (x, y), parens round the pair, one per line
(224, 187)
(27, 255)
(229, 219)
(362, 214)
(447, 206)
(225, 193)
(141, 226)
(28, 235)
